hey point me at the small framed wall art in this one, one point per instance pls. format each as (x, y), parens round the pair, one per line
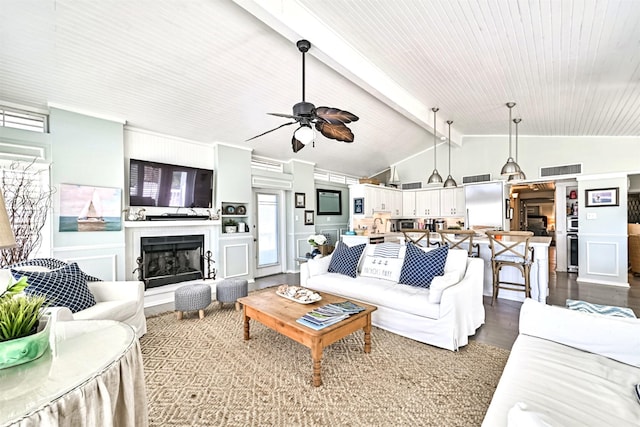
(601, 197)
(300, 200)
(308, 217)
(358, 205)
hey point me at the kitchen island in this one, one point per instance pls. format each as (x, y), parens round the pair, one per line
(539, 270)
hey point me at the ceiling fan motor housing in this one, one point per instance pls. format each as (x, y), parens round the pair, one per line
(303, 109)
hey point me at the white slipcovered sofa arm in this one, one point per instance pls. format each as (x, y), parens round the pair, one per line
(314, 267)
(114, 291)
(612, 337)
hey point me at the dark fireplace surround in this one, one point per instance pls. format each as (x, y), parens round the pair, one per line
(171, 259)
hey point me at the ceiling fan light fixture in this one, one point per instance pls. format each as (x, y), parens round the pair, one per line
(305, 134)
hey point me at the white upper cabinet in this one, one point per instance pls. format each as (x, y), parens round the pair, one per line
(452, 201)
(409, 204)
(428, 203)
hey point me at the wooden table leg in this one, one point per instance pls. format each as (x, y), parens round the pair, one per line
(316, 356)
(246, 327)
(367, 335)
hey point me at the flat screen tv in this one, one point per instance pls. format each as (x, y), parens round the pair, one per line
(165, 185)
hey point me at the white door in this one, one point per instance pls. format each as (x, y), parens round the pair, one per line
(269, 238)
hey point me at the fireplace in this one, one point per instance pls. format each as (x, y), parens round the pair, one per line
(171, 259)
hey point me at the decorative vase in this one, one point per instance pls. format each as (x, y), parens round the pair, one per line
(25, 349)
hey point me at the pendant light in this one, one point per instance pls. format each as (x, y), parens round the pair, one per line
(520, 176)
(450, 182)
(435, 177)
(511, 167)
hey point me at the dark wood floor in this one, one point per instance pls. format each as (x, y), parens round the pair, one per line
(501, 320)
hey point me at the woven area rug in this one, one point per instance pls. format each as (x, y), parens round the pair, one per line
(203, 373)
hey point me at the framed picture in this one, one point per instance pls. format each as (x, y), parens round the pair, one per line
(358, 205)
(601, 197)
(300, 200)
(308, 217)
(88, 208)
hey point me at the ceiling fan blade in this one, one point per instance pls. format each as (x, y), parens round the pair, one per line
(335, 116)
(264, 133)
(288, 116)
(296, 145)
(338, 131)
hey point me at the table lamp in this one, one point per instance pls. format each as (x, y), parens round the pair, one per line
(7, 239)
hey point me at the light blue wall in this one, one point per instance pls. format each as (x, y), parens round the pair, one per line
(87, 151)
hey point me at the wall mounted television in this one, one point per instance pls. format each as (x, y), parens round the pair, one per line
(169, 186)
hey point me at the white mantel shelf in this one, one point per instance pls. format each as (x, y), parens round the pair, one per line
(170, 223)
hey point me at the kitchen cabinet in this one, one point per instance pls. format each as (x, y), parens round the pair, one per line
(409, 204)
(452, 201)
(378, 199)
(428, 203)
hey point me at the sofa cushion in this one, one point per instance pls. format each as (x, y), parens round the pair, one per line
(345, 259)
(64, 287)
(387, 250)
(382, 268)
(420, 267)
(119, 310)
(378, 292)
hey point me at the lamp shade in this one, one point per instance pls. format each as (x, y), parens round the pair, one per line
(304, 134)
(7, 239)
(510, 168)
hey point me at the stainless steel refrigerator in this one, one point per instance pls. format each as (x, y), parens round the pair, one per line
(485, 205)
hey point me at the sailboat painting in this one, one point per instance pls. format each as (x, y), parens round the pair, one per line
(85, 208)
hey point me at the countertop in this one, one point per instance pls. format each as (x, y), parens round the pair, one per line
(534, 241)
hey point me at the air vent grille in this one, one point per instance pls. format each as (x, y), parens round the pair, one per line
(476, 178)
(411, 185)
(561, 170)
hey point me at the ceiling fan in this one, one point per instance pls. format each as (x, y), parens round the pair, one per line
(330, 122)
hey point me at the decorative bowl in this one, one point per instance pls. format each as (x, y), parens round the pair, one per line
(22, 350)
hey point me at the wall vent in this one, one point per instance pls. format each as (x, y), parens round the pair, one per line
(411, 185)
(561, 170)
(476, 178)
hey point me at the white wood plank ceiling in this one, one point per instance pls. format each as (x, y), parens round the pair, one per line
(209, 70)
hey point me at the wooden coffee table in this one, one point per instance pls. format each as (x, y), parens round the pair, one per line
(280, 314)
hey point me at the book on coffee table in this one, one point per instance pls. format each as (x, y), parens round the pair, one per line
(329, 314)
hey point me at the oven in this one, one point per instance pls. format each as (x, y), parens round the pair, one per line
(572, 224)
(572, 252)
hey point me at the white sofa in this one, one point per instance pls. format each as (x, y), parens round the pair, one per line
(569, 368)
(122, 301)
(443, 315)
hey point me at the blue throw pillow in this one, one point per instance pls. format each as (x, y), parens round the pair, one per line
(51, 264)
(345, 259)
(420, 267)
(64, 287)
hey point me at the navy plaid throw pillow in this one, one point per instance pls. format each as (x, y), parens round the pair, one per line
(421, 267)
(51, 264)
(345, 259)
(64, 287)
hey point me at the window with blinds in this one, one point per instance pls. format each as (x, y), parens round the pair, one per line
(26, 120)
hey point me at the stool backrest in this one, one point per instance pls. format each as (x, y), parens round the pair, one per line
(455, 238)
(425, 236)
(511, 244)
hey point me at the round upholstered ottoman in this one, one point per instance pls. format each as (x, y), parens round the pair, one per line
(229, 290)
(192, 298)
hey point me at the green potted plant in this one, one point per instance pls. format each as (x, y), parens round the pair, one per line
(23, 337)
(230, 226)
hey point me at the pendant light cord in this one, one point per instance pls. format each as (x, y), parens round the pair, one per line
(449, 122)
(435, 110)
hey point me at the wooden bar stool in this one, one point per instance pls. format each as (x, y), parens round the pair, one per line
(455, 238)
(424, 236)
(510, 249)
